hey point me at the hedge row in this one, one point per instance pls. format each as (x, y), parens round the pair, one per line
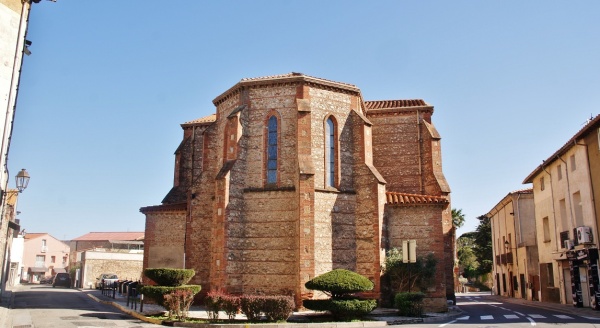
(275, 308)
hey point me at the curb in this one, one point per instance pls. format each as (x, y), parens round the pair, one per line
(126, 310)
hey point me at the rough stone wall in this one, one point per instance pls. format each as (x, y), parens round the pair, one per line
(334, 229)
(424, 224)
(396, 150)
(279, 100)
(264, 245)
(163, 239)
(201, 230)
(324, 103)
(125, 270)
(370, 200)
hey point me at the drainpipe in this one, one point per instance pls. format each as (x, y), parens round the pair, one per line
(517, 214)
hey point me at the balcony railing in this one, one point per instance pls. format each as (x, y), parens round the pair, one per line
(44, 249)
(504, 258)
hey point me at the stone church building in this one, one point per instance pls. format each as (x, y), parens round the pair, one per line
(294, 176)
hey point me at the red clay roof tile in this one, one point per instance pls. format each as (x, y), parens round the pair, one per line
(381, 104)
(413, 199)
(111, 236)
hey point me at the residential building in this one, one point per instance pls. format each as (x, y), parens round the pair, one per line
(9, 228)
(14, 17)
(566, 189)
(17, 267)
(43, 256)
(294, 176)
(514, 244)
(95, 253)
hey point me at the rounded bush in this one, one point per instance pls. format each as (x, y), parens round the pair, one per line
(339, 283)
(157, 293)
(169, 277)
(342, 309)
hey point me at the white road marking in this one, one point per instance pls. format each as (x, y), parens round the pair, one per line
(537, 316)
(447, 323)
(463, 318)
(487, 317)
(531, 321)
(562, 316)
(511, 316)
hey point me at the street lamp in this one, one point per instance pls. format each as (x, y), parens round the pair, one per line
(22, 180)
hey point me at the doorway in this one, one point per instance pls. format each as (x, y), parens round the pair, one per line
(568, 288)
(523, 287)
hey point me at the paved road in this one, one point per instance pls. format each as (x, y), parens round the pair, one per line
(41, 306)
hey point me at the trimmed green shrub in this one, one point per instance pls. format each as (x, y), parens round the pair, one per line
(340, 283)
(157, 293)
(252, 306)
(409, 304)
(342, 309)
(169, 277)
(278, 308)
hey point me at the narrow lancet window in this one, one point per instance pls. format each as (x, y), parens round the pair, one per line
(272, 150)
(330, 152)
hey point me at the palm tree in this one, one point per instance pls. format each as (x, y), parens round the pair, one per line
(458, 218)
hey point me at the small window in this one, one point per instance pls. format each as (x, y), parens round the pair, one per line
(564, 236)
(546, 226)
(542, 186)
(559, 171)
(573, 165)
(52, 259)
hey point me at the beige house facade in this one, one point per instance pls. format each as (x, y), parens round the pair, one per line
(43, 256)
(565, 188)
(516, 268)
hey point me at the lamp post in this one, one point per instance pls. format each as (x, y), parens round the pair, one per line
(22, 180)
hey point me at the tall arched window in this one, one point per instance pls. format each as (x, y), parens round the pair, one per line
(272, 150)
(330, 151)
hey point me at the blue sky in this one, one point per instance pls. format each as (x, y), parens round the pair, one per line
(109, 82)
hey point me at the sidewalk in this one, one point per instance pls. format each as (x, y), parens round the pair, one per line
(380, 317)
(5, 302)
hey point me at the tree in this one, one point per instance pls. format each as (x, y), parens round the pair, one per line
(458, 218)
(483, 244)
(474, 249)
